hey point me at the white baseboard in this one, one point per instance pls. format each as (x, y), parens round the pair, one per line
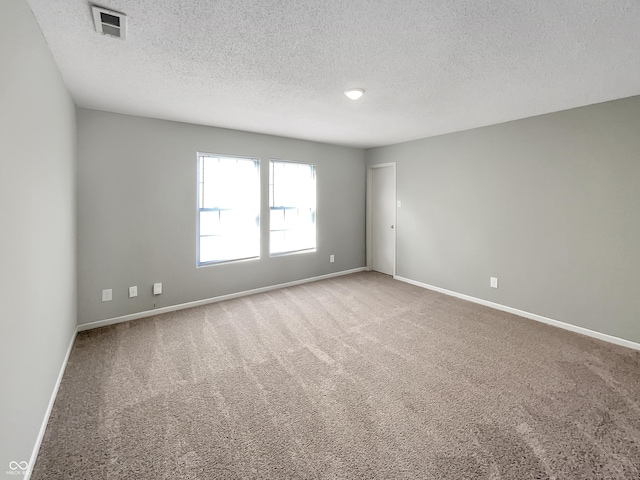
(206, 301)
(529, 315)
(45, 420)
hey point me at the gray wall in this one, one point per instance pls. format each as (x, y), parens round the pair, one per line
(550, 205)
(137, 212)
(37, 243)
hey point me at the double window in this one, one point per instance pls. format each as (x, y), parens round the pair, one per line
(229, 208)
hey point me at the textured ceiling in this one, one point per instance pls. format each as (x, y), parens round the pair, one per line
(281, 66)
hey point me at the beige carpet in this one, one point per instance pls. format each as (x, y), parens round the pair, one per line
(355, 377)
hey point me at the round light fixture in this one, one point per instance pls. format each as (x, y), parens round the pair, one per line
(354, 93)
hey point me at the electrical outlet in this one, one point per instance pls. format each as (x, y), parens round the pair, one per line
(133, 291)
(493, 282)
(107, 295)
(332, 258)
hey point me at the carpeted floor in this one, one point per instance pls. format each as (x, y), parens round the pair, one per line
(355, 377)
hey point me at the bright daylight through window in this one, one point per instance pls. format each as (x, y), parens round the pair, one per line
(228, 208)
(292, 206)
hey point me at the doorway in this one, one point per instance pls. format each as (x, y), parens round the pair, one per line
(381, 218)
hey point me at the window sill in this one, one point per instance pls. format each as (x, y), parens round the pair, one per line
(295, 252)
(226, 262)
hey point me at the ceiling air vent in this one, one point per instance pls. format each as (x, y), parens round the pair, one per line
(109, 22)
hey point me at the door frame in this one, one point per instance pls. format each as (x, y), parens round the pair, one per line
(369, 219)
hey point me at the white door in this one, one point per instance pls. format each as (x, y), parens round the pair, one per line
(383, 218)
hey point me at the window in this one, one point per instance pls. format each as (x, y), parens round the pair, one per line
(228, 208)
(292, 206)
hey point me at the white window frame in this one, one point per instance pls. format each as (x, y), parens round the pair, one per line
(200, 209)
(269, 207)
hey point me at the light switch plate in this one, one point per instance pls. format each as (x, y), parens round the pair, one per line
(107, 295)
(157, 288)
(493, 282)
(133, 291)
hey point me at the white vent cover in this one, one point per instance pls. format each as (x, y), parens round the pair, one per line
(109, 22)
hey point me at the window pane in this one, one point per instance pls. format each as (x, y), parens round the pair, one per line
(209, 223)
(292, 201)
(208, 247)
(277, 241)
(229, 202)
(277, 219)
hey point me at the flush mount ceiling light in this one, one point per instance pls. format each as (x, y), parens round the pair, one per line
(354, 93)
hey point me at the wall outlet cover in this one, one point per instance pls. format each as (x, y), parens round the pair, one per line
(157, 288)
(493, 282)
(133, 291)
(107, 295)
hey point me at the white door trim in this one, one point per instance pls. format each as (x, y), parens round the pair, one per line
(370, 213)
